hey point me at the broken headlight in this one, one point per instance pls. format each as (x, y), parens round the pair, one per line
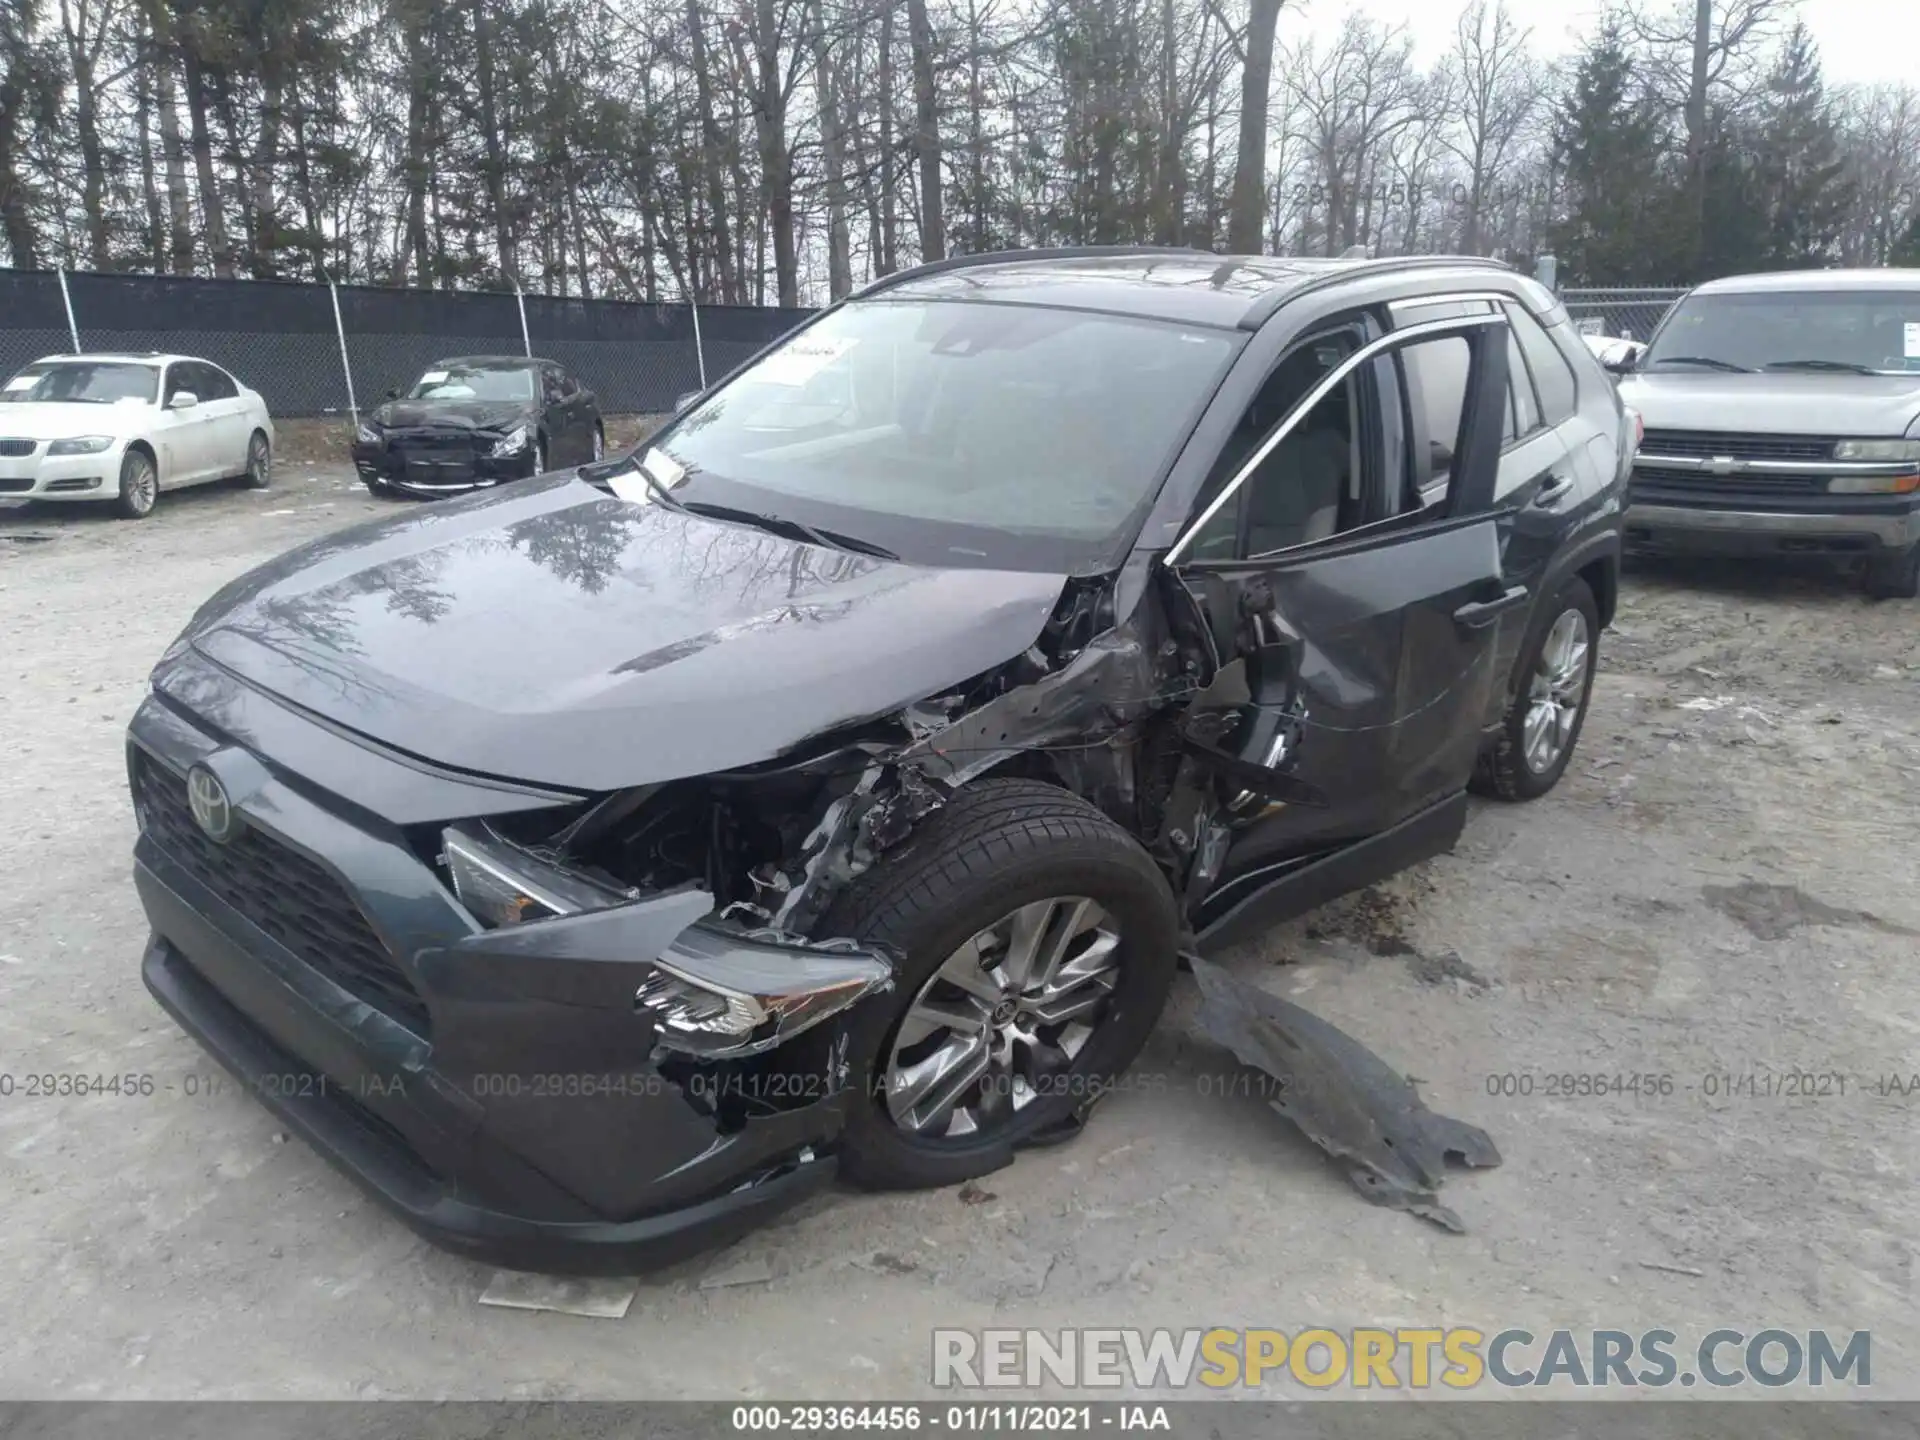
(502, 884)
(720, 994)
(709, 990)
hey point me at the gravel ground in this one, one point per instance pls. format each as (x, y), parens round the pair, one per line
(1722, 886)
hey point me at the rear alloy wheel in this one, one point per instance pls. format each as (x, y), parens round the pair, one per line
(1894, 575)
(139, 485)
(1039, 943)
(259, 472)
(1556, 683)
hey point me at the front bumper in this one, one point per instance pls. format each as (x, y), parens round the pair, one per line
(518, 1115)
(1868, 525)
(431, 473)
(41, 476)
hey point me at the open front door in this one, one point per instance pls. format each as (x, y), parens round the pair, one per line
(1355, 670)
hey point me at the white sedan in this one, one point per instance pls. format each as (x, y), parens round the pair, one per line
(123, 428)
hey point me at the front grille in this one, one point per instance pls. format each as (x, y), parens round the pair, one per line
(1753, 482)
(16, 449)
(432, 443)
(294, 900)
(1705, 444)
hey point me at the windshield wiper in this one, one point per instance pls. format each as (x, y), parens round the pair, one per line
(1846, 366)
(785, 525)
(599, 472)
(1706, 360)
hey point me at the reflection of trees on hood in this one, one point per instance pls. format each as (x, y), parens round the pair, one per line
(583, 545)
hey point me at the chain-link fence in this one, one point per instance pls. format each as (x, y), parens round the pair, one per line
(283, 338)
(1631, 314)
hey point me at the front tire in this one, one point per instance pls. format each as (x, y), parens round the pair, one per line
(1894, 575)
(986, 1044)
(139, 486)
(1538, 736)
(259, 472)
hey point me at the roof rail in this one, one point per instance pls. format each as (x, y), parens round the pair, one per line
(1001, 257)
(1263, 309)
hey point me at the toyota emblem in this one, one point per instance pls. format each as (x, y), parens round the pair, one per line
(212, 811)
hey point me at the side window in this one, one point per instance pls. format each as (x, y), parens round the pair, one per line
(555, 383)
(219, 384)
(182, 375)
(1523, 408)
(1434, 375)
(1552, 376)
(1308, 486)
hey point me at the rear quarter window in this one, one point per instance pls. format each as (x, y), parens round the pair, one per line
(1552, 367)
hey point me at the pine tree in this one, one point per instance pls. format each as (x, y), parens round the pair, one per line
(1736, 237)
(1802, 174)
(1614, 150)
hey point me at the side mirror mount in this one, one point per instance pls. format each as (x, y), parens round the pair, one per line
(183, 400)
(685, 400)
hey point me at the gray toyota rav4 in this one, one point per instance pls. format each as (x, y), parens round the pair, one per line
(1782, 417)
(591, 866)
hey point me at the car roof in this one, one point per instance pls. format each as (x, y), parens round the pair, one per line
(1812, 280)
(493, 362)
(121, 357)
(1187, 286)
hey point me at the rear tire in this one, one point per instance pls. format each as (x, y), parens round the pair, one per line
(999, 847)
(1894, 575)
(139, 486)
(1517, 768)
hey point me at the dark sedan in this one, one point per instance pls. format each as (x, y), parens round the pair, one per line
(478, 421)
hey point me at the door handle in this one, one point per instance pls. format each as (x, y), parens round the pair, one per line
(1482, 613)
(1556, 486)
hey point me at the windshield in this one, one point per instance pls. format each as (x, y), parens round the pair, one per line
(473, 382)
(1877, 331)
(82, 383)
(956, 433)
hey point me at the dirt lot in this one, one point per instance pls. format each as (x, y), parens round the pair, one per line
(1723, 886)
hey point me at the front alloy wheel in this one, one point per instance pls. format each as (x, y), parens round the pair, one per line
(139, 486)
(259, 472)
(1036, 942)
(1003, 1015)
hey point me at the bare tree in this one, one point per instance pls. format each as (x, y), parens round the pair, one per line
(926, 133)
(1703, 50)
(1497, 90)
(1244, 221)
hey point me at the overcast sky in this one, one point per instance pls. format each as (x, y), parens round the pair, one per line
(1861, 41)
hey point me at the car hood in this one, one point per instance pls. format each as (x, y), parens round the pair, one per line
(1866, 406)
(561, 636)
(454, 414)
(64, 420)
